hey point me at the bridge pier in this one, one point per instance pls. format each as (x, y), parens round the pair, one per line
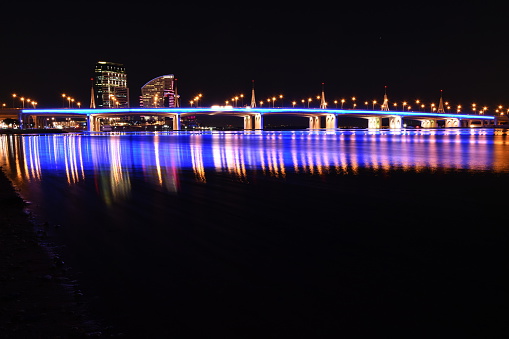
(258, 121)
(429, 123)
(40, 122)
(176, 122)
(374, 122)
(314, 122)
(93, 123)
(330, 121)
(452, 122)
(395, 122)
(248, 122)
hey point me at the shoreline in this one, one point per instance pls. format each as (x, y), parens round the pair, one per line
(38, 298)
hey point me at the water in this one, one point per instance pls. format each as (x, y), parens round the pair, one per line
(277, 234)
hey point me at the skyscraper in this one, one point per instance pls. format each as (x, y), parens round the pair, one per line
(110, 85)
(160, 92)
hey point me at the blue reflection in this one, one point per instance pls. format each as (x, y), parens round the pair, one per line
(113, 160)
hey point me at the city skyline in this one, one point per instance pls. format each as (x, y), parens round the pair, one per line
(218, 51)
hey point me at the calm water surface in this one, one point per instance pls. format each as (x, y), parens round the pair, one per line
(277, 234)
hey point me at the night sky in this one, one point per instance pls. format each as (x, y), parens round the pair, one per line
(415, 50)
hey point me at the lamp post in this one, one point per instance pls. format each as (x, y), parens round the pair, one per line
(13, 97)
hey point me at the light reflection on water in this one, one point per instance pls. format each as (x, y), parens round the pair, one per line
(112, 159)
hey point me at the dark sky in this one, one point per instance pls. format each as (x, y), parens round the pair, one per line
(415, 50)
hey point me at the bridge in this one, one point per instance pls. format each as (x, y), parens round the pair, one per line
(253, 117)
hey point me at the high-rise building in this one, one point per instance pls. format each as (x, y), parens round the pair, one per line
(160, 92)
(110, 86)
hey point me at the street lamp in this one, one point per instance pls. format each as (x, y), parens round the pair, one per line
(342, 102)
(374, 103)
(13, 97)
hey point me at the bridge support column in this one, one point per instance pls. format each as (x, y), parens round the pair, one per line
(40, 122)
(248, 122)
(93, 123)
(395, 122)
(258, 121)
(330, 121)
(176, 122)
(374, 122)
(452, 122)
(429, 123)
(314, 122)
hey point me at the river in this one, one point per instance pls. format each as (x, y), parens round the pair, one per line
(277, 233)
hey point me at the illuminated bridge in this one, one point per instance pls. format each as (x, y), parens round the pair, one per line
(253, 117)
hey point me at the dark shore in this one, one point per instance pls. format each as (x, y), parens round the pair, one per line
(38, 298)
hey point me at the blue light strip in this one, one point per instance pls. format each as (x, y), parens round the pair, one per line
(311, 111)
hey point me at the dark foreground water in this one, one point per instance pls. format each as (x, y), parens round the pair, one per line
(350, 233)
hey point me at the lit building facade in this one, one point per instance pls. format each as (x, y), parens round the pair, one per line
(160, 92)
(110, 86)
